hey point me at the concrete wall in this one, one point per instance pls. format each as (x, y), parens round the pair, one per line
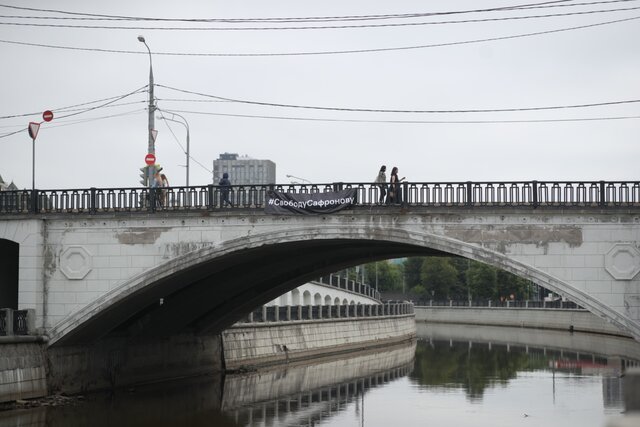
(258, 344)
(580, 320)
(22, 370)
(31, 369)
(73, 266)
(118, 362)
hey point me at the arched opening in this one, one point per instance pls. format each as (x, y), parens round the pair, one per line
(306, 298)
(317, 299)
(327, 300)
(283, 300)
(9, 274)
(336, 301)
(295, 297)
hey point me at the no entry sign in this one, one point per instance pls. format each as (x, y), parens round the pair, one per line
(47, 116)
(150, 159)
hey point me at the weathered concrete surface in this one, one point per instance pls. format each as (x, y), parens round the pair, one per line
(87, 275)
(541, 318)
(23, 370)
(119, 362)
(261, 344)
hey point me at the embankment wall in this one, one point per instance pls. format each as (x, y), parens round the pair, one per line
(249, 345)
(540, 318)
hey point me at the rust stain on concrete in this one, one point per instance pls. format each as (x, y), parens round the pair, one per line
(518, 234)
(140, 235)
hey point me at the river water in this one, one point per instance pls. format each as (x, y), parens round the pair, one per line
(451, 376)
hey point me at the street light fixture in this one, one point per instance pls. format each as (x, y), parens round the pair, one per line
(297, 177)
(152, 108)
(186, 125)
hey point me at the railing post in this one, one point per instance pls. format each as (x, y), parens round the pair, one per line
(210, 199)
(92, 200)
(534, 189)
(34, 201)
(405, 194)
(469, 200)
(603, 195)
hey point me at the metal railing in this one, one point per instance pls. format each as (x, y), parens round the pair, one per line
(559, 304)
(289, 313)
(348, 285)
(462, 194)
(16, 322)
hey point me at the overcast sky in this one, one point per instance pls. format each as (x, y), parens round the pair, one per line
(441, 67)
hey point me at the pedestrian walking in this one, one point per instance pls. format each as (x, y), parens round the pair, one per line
(381, 180)
(225, 188)
(395, 190)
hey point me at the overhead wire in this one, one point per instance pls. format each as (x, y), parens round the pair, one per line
(303, 19)
(492, 121)
(178, 142)
(323, 27)
(381, 110)
(330, 52)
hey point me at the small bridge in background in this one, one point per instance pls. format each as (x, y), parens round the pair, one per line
(134, 262)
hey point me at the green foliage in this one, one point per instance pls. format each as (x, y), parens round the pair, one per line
(438, 277)
(446, 277)
(389, 275)
(482, 279)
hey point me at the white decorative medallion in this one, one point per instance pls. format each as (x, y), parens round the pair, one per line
(75, 262)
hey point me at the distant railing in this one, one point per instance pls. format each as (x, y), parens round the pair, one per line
(348, 285)
(288, 313)
(463, 194)
(566, 305)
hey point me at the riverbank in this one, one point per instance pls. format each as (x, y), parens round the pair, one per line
(575, 320)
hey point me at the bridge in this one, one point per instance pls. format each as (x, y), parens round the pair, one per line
(95, 263)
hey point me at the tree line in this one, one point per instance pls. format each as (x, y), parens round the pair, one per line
(443, 278)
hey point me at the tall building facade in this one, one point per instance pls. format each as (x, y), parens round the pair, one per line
(243, 170)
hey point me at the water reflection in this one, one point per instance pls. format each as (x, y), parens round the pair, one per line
(453, 375)
(476, 359)
(304, 395)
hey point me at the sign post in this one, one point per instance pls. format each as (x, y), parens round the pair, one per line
(33, 133)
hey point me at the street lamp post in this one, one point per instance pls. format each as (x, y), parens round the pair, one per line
(152, 108)
(186, 125)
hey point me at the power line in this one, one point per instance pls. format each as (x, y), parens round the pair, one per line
(73, 107)
(323, 27)
(332, 52)
(304, 19)
(317, 119)
(381, 110)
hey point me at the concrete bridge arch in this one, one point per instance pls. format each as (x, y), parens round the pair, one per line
(209, 288)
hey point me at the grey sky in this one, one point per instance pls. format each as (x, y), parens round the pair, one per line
(583, 66)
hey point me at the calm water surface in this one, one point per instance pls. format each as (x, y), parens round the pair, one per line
(452, 376)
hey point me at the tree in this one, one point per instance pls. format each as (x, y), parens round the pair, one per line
(389, 275)
(438, 277)
(481, 279)
(412, 271)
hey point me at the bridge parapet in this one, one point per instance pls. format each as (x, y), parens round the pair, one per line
(207, 198)
(276, 313)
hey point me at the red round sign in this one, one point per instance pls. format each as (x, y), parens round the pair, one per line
(47, 116)
(149, 159)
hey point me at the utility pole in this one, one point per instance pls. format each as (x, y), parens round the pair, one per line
(151, 149)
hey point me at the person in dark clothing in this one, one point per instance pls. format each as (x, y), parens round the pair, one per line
(395, 190)
(225, 188)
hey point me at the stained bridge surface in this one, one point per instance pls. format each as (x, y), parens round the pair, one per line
(95, 262)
